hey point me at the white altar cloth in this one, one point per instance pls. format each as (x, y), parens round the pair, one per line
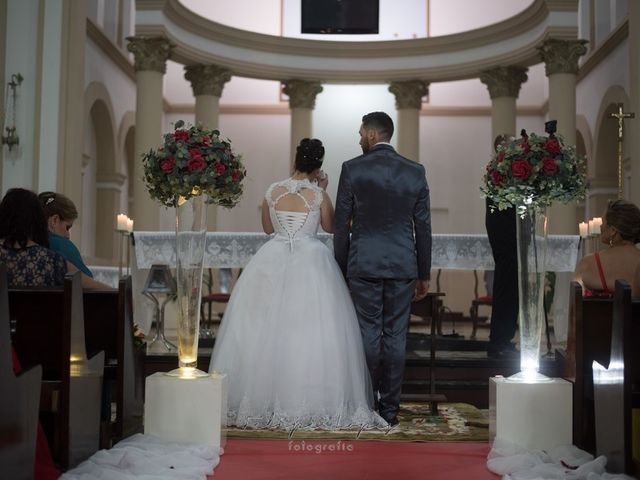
(449, 252)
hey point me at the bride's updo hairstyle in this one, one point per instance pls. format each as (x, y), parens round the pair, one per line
(309, 155)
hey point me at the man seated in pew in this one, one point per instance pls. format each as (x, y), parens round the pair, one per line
(620, 231)
(60, 213)
(24, 242)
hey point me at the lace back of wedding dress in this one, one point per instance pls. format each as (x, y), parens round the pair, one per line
(294, 207)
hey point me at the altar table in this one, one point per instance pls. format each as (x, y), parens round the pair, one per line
(449, 252)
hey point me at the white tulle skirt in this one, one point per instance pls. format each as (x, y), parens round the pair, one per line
(291, 346)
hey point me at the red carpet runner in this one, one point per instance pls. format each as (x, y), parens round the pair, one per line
(349, 460)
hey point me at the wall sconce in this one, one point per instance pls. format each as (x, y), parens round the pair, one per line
(11, 139)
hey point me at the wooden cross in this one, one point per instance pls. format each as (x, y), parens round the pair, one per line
(620, 116)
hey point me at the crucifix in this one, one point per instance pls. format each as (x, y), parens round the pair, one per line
(621, 116)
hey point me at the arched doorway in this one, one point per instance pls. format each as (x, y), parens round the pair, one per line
(102, 182)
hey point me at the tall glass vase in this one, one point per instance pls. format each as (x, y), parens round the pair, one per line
(531, 227)
(191, 228)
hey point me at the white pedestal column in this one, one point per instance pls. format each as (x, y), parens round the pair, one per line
(536, 416)
(186, 409)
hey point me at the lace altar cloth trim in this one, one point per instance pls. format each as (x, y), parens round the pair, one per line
(451, 252)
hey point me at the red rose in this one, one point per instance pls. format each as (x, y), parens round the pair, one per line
(206, 140)
(220, 168)
(549, 166)
(181, 135)
(168, 164)
(497, 178)
(521, 169)
(195, 154)
(235, 176)
(552, 146)
(500, 157)
(196, 164)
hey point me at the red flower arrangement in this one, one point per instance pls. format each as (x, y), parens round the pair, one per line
(534, 171)
(194, 161)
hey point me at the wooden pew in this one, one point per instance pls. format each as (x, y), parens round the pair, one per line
(589, 339)
(108, 323)
(49, 330)
(617, 384)
(18, 403)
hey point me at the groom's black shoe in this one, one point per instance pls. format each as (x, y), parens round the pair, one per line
(392, 421)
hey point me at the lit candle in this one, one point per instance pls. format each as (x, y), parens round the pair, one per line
(122, 223)
(597, 223)
(129, 225)
(590, 227)
(584, 229)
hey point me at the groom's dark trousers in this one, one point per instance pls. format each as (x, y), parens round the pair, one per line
(383, 308)
(382, 242)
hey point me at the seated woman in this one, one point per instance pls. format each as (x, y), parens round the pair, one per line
(29, 263)
(24, 242)
(60, 213)
(620, 230)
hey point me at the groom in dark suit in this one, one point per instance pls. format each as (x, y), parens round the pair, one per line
(382, 242)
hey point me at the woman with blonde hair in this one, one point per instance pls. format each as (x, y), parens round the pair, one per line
(620, 231)
(61, 212)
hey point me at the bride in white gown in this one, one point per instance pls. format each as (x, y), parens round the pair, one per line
(290, 341)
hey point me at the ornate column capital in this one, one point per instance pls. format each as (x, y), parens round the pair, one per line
(561, 56)
(302, 93)
(207, 79)
(409, 93)
(150, 53)
(504, 81)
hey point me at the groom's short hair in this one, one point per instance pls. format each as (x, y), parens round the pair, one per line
(379, 121)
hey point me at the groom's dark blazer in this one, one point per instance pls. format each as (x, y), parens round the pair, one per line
(383, 202)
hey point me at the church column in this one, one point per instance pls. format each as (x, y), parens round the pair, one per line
(151, 54)
(408, 96)
(504, 86)
(207, 82)
(561, 64)
(302, 100)
(632, 127)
